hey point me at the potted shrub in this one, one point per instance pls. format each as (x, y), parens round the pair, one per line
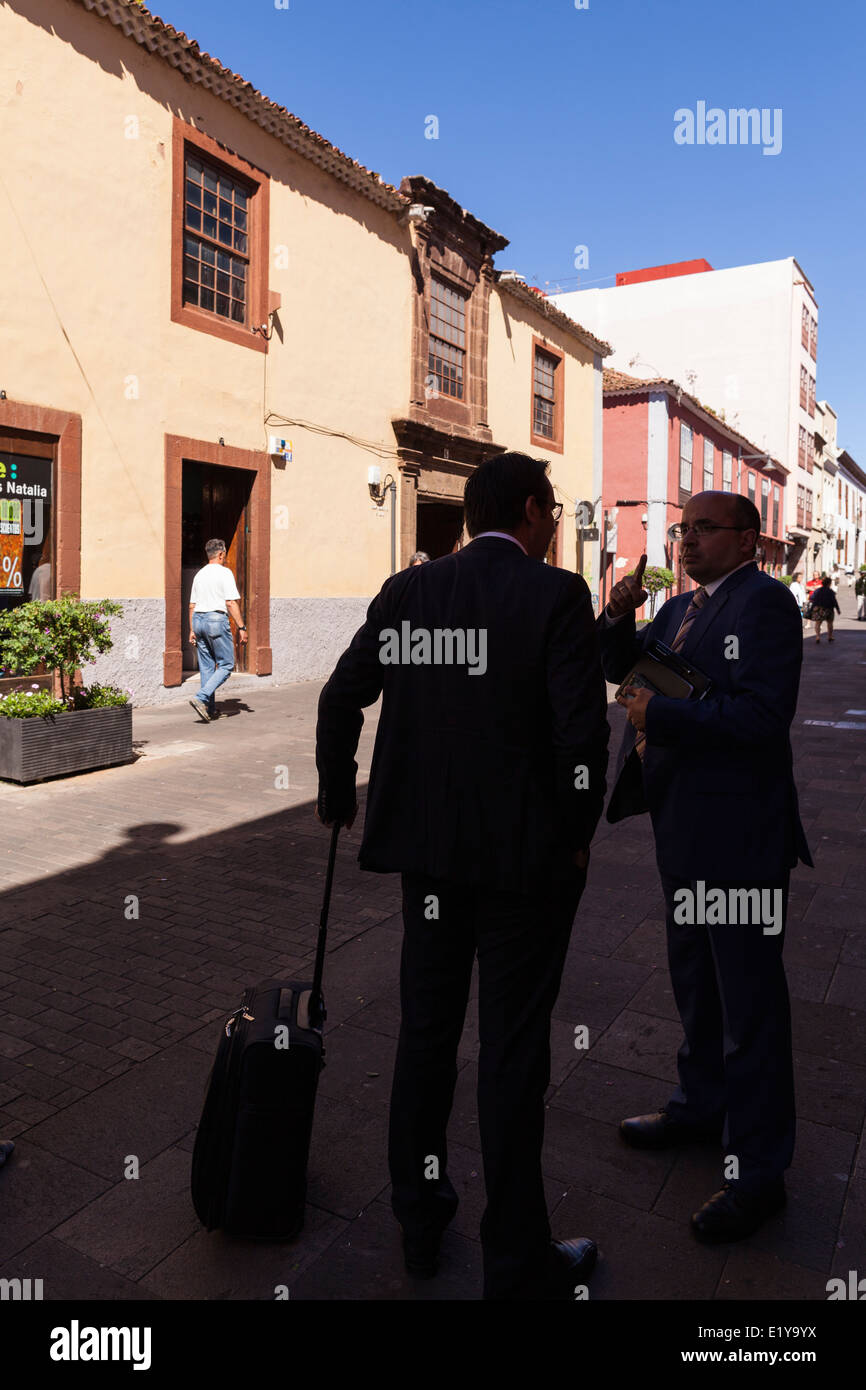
(73, 728)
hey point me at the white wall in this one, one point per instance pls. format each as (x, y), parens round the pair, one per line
(730, 337)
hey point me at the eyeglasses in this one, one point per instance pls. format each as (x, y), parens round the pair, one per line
(702, 528)
(556, 511)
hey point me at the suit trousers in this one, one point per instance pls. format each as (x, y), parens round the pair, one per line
(521, 943)
(735, 1063)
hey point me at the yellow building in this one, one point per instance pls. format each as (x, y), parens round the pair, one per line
(216, 323)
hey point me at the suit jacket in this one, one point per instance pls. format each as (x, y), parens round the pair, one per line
(473, 775)
(717, 774)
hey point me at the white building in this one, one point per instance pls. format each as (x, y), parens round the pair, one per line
(745, 338)
(850, 513)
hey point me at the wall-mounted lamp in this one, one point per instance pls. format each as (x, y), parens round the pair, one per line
(378, 489)
(266, 329)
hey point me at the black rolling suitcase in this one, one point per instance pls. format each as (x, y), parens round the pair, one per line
(249, 1164)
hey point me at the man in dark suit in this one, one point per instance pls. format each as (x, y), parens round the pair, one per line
(486, 785)
(716, 776)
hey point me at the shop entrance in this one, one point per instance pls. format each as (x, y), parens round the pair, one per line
(439, 527)
(214, 504)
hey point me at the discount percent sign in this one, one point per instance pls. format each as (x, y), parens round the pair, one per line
(10, 564)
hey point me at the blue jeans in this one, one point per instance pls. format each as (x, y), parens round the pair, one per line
(216, 653)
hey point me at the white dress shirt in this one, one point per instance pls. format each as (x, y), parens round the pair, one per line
(503, 535)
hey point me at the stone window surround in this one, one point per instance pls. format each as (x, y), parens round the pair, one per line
(191, 316)
(60, 430)
(557, 443)
(257, 614)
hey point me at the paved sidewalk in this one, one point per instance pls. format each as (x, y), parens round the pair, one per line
(109, 1021)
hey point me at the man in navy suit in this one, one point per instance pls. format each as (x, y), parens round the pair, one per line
(716, 776)
(486, 785)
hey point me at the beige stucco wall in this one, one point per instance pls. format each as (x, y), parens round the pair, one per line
(86, 327)
(513, 328)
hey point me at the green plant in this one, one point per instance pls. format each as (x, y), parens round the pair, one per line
(656, 578)
(786, 579)
(99, 697)
(29, 704)
(59, 634)
(36, 704)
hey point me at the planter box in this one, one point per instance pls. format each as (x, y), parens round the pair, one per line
(55, 746)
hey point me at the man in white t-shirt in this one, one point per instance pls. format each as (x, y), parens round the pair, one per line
(214, 596)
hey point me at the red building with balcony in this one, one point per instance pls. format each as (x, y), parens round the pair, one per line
(661, 446)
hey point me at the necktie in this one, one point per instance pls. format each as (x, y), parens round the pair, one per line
(699, 598)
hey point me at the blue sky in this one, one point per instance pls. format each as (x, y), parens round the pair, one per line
(556, 128)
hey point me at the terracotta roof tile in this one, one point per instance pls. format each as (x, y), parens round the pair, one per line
(178, 49)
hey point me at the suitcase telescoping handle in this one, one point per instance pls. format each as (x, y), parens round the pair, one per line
(317, 1003)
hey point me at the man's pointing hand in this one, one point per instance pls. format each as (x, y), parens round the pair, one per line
(629, 593)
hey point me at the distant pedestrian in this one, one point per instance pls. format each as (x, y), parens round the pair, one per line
(6, 1147)
(214, 596)
(798, 591)
(419, 558)
(824, 605)
(860, 591)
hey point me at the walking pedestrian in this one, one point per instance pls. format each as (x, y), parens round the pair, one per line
(798, 591)
(214, 596)
(824, 605)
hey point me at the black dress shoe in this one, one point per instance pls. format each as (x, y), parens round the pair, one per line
(732, 1214)
(421, 1254)
(6, 1147)
(571, 1262)
(662, 1131)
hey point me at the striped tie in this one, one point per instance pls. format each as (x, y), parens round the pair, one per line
(699, 598)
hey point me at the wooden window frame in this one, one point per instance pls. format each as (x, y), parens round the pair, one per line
(186, 137)
(728, 454)
(685, 492)
(556, 445)
(461, 291)
(708, 444)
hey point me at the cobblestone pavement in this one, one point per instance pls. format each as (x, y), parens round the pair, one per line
(109, 1022)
